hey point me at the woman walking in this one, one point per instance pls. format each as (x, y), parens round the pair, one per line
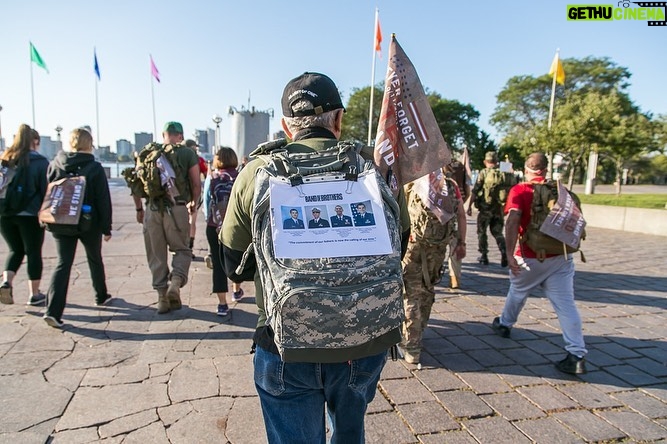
(19, 225)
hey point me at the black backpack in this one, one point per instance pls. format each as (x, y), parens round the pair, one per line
(13, 189)
(220, 190)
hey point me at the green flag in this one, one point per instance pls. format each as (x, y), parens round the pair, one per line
(35, 57)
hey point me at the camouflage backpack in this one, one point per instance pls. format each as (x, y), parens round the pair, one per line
(495, 188)
(147, 178)
(322, 303)
(545, 195)
(424, 225)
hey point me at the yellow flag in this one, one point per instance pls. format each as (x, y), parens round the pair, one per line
(557, 69)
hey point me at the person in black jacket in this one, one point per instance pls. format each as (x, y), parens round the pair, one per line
(20, 227)
(80, 161)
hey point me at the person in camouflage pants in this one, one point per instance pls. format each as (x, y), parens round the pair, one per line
(423, 263)
(490, 214)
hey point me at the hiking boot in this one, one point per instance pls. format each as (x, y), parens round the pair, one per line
(105, 301)
(223, 310)
(53, 322)
(37, 299)
(483, 259)
(162, 301)
(237, 295)
(454, 283)
(411, 358)
(174, 293)
(500, 329)
(572, 364)
(6, 295)
(208, 260)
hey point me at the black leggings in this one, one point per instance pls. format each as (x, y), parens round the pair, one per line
(24, 237)
(219, 278)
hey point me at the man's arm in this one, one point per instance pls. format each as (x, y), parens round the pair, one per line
(511, 236)
(139, 205)
(194, 174)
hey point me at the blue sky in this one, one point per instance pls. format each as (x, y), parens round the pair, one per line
(216, 54)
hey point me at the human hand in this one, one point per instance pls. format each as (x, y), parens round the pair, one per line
(107, 237)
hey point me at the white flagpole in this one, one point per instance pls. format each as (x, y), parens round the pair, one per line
(97, 113)
(370, 106)
(32, 94)
(553, 91)
(153, 99)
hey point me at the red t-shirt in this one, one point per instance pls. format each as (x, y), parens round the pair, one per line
(521, 198)
(203, 167)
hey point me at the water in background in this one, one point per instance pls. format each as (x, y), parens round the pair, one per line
(115, 168)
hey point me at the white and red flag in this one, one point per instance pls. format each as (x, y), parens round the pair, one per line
(408, 143)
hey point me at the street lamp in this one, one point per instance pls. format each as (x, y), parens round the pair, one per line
(58, 130)
(217, 119)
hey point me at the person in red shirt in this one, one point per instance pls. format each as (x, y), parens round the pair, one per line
(554, 274)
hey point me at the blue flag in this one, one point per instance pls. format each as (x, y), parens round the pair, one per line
(97, 66)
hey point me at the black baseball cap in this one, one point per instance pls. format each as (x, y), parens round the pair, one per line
(317, 89)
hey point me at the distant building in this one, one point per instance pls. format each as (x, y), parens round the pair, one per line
(49, 148)
(123, 148)
(278, 135)
(250, 127)
(142, 139)
(210, 135)
(201, 136)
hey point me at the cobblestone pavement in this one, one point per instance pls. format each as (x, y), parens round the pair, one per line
(121, 373)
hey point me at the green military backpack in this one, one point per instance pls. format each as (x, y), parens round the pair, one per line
(495, 188)
(425, 226)
(155, 164)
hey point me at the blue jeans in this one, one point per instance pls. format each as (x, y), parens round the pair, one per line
(293, 396)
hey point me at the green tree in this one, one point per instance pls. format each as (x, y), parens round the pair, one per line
(355, 119)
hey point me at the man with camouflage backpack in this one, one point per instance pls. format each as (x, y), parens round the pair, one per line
(171, 183)
(295, 383)
(489, 195)
(553, 272)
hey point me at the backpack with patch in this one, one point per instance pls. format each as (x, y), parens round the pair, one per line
(13, 189)
(424, 224)
(63, 210)
(159, 173)
(325, 303)
(220, 189)
(495, 188)
(545, 196)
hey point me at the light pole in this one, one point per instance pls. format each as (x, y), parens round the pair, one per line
(217, 119)
(58, 131)
(2, 142)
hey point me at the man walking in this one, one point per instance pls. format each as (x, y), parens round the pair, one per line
(166, 227)
(554, 274)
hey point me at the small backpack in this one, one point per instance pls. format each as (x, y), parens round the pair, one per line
(545, 196)
(316, 302)
(425, 225)
(219, 191)
(495, 188)
(13, 189)
(158, 172)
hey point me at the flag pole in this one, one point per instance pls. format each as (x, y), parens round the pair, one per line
(153, 99)
(97, 113)
(370, 106)
(553, 92)
(32, 93)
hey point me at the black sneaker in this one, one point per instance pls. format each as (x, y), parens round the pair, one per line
(572, 364)
(37, 299)
(53, 322)
(483, 259)
(105, 301)
(6, 296)
(500, 329)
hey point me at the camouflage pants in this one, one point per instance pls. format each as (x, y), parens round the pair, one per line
(422, 270)
(492, 220)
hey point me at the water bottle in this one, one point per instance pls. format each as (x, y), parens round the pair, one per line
(86, 221)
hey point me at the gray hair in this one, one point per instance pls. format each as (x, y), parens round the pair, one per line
(325, 120)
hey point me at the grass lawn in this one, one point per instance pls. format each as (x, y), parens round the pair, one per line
(654, 201)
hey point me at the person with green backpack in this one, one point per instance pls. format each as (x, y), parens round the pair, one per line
(489, 195)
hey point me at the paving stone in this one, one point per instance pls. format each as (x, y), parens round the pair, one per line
(128, 423)
(18, 363)
(460, 437)
(440, 379)
(172, 413)
(643, 403)
(244, 425)
(617, 350)
(379, 404)
(495, 430)
(517, 376)
(606, 382)
(395, 370)
(546, 430)
(404, 391)
(635, 425)
(659, 391)
(649, 366)
(589, 426)
(427, 417)
(193, 379)
(464, 404)
(207, 422)
(491, 358)
(104, 354)
(235, 374)
(547, 397)
(482, 383)
(632, 375)
(382, 428)
(588, 396)
(513, 406)
(78, 436)
(460, 362)
(154, 433)
(121, 374)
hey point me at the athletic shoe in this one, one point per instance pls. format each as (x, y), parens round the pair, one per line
(6, 296)
(106, 301)
(37, 299)
(223, 310)
(237, 295)
(208, 260)
(53, 322)
(500, 329)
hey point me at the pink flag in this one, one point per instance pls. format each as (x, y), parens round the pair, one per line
(154, 70)
(408, 144)
(378, 36)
